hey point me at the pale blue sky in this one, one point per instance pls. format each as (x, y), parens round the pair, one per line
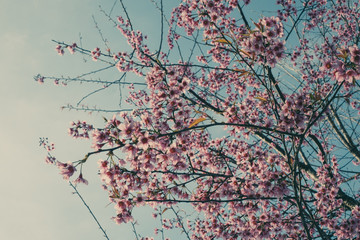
(35, 202)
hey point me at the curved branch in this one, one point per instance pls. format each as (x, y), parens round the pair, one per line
(348, 201)
(246, 125)
(343, 134)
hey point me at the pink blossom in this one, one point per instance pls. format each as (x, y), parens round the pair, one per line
(66, 169)
(95, 54)
(59, 50)
(355, 54)
(40, 80)
(278, 103)
(50, 159)
(80, 179)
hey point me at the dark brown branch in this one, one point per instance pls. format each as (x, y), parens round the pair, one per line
(205, 102)
(243, 16)
(102, 150)
(246, 125)
(297, 20)
(343, 134)
(214, 200)
(348, 201)
(317, 142)
(272, 79)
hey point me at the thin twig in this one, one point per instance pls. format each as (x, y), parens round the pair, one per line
(92, 214)
(134, 230)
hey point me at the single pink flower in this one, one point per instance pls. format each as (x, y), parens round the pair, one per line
(66, 169)
(40, 80)
(80, 179)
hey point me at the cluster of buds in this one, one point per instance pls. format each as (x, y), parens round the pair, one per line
(95, 54)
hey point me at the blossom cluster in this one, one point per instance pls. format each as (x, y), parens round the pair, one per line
(265, 42)
(80, 129)
(95, 54)
(71, 48)
(256, 148)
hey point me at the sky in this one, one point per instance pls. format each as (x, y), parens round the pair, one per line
(36, 203)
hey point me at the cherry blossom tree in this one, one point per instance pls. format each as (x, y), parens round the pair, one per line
(252, 124)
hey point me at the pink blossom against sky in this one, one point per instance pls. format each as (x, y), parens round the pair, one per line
(36, 203)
